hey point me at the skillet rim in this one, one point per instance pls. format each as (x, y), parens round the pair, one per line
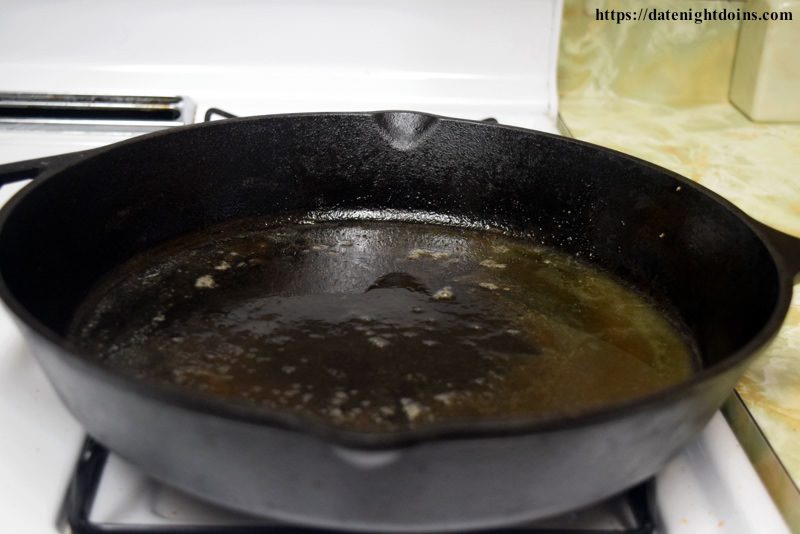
(189, 400)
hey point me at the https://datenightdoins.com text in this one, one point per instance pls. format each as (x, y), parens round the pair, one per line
(696, 15)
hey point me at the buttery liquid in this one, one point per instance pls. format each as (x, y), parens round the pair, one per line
(381, 326)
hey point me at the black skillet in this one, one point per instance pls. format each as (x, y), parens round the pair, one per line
(728, 276)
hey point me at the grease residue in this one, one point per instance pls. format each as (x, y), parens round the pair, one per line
(379, 326)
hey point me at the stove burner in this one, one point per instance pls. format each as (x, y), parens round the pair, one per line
(210, 112)
(86, 481)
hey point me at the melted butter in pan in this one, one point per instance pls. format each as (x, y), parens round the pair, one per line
(381, 326)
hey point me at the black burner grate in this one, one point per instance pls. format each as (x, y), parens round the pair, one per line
(88, 474)
(210, 112)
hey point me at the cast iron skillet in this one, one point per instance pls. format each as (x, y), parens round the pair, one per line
(729, 278)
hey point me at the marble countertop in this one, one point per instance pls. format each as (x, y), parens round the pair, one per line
(755, 166)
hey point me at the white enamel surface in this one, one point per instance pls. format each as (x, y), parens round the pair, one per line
(713, 487)
(472, 57)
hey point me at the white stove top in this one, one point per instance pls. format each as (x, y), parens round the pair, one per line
(470, 58)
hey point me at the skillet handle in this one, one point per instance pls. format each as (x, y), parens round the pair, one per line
(31, 168)
(787, 246)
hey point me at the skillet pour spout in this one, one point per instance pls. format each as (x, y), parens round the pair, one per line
(726, 276)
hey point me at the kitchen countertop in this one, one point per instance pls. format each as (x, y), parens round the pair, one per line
(757, 167)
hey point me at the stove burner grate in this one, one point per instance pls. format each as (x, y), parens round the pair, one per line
(88, 473)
